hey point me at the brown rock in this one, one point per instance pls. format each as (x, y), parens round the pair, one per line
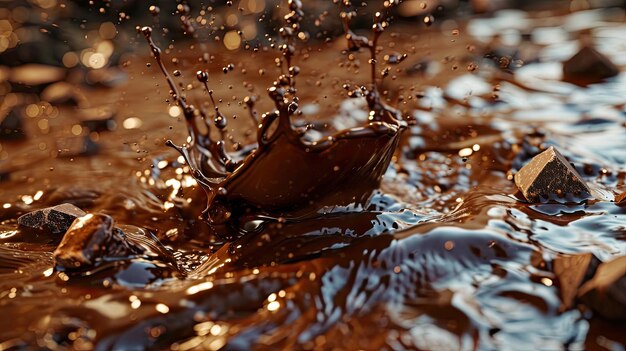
(550, 176)
(588, 66)
(53, 220)
(572, 271)
(605, 293)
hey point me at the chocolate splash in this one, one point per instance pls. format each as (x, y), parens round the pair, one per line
(285, 177)
(444, 256)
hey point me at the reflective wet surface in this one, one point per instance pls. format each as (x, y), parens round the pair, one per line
(445, 255)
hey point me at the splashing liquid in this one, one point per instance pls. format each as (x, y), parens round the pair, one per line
(286, 177)
(443, 255)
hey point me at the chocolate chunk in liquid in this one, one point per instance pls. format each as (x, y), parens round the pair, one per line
(572, 271)
(605, 293)
(53, 220)
(588, 66)
(139, 332)
(84, 240)
(550, 176)
(88, 239)
(12, 126)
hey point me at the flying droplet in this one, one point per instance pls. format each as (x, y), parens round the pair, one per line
(429, 20)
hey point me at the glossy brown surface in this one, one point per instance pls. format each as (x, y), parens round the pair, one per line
(441, 255)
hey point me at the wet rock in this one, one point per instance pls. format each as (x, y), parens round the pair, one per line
(572, 271)
(89, 239)
(97, 119)
(77, 146)
(11, 126)
(550, 176)
(53, 220)
(588, 66)
(605, 293)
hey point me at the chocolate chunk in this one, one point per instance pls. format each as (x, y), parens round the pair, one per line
(90, 238)
(77, 146)
(98, 119)
(572, 271)
(54, 220)
(11, 126)
(84, 241)
(620, 200)
(588, 66)
(605, 293)
(549, 176)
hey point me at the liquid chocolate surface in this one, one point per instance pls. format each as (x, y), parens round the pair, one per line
(358, 195)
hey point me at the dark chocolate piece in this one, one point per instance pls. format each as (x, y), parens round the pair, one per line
(84, 241)
(77, 146)
(588, 66)
(54, 220)
(572, 271)
(550, 176)
(98, 119)
(11, 126)
(606, 292)
(89, 238)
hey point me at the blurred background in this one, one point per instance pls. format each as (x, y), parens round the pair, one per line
(89, 43)
(95, 34)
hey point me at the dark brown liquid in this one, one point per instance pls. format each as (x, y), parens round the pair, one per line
(370, 240)
(285, 177)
